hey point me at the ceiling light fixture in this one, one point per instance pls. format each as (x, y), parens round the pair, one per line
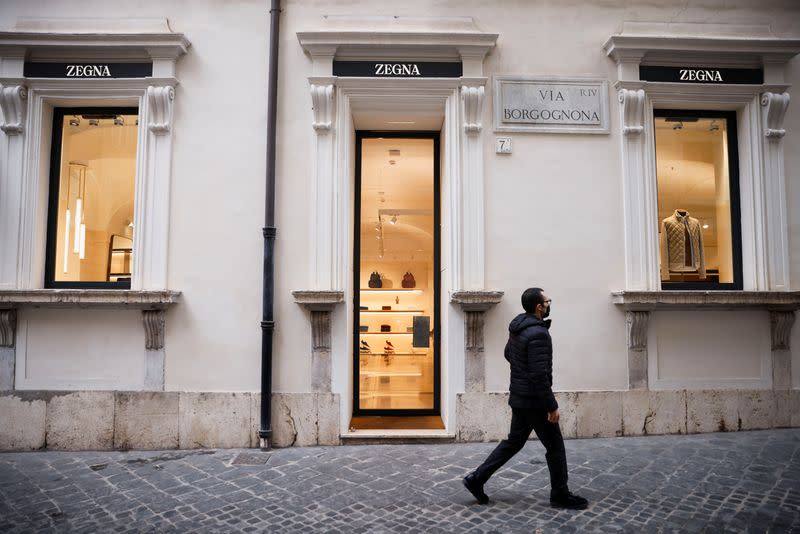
(74, 121)
(714, 126)
(119, 121)
(677, 126)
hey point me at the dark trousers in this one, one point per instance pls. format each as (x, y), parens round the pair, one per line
(523, 421)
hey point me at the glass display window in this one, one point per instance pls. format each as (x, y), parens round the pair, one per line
(90, 216)
(698, 200)
(397, 266)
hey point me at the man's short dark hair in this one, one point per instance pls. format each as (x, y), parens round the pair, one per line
(531, 297)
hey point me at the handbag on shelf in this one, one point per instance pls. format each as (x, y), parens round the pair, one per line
(375, 280)
(408, 281)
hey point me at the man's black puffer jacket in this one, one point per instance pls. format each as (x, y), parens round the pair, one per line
(530, 352)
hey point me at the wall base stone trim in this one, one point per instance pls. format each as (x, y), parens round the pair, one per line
(121, 420)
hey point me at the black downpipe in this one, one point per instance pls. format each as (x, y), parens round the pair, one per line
(267, 318)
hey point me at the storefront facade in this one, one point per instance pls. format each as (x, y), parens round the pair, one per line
(430, 167)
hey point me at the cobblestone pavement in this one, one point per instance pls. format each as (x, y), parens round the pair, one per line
(743, 481)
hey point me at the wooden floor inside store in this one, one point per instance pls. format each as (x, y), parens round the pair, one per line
(388, 422)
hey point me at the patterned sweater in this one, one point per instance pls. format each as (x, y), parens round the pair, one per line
(682, 245)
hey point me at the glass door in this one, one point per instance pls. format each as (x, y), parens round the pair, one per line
(397, 274)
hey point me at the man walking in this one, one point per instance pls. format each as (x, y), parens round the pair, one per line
(529, 351)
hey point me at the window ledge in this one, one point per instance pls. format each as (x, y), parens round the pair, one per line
(476, 300)
(88, 298)
(702, 300)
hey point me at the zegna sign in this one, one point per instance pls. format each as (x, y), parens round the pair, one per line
(700, 75)
(87, 70)
(398, 69)
(564, 105)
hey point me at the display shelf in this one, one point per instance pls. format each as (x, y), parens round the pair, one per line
(390, 290)
(399, 312)
(393, 353)
(386, 333)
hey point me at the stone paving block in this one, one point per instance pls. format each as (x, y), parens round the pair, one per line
(668, 412)
(567, 407)
(22, 423)
(482, 416)
(146, 420)
(599, 414)
(214, 420)
(328, 419)
(782, 414)
(83, 420)
(712, 410)
(756, 409)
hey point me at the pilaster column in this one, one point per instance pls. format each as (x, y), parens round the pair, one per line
(8, 352)
(320, 304)
(13, 107)
(151, 211)
(475, 304)
(154, 357)
(636, 322)
(773, 112)
(781, 323)
(641, 234)
(472, 214)
(325, 240)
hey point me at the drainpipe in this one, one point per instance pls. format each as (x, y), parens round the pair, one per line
(267, 318)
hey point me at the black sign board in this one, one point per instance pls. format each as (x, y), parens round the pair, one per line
(87, 70)
(700, 75)
(397, 69)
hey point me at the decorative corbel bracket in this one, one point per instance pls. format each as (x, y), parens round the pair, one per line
(781, 323)
(472, 102)
(159, 100)
(154, 325)
(322, 102)
(775, 106)
(637, 322)
(320, 303)
(8, 327)
(632, 103)
(13, 105)
(475, 304)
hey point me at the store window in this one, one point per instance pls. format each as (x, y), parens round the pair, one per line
(397, 274)
(698, 200)
(90, 216)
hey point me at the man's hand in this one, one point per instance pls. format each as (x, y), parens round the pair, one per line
(553, 416)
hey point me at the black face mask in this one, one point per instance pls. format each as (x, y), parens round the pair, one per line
(546, 311)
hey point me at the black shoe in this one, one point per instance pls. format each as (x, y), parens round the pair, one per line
(475, 488)
(568, 500)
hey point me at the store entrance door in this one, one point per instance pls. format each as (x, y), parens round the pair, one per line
(396, 338)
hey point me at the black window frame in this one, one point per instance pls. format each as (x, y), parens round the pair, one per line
(55, 183)
(437, 275)
(735, 198)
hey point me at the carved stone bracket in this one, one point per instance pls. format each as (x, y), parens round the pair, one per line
(159, 100)
(8, 327)
(775, 106)
(632, 102)
(475, 304)
(12, 104)
(781, 323)
(636, 322)
(472, 100)
(322, 101)
(154, 325)
(320, 304)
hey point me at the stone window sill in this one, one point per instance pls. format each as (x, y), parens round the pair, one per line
(707, 300)
(88, 298)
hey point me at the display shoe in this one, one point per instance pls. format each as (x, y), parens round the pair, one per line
(568, 500)
(365, 348)
(388, 348)
(474, 486)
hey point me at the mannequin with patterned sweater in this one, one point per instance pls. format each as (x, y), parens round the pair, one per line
(682, 245)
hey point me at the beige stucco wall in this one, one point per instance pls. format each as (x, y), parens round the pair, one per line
(553, 207)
